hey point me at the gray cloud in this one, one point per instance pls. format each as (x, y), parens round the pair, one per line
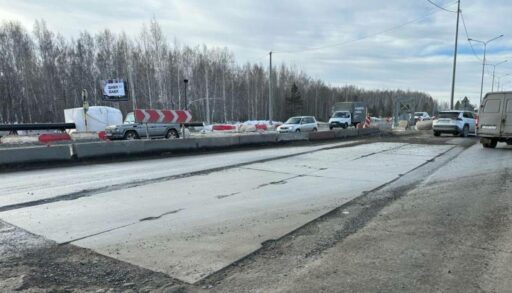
(416, 56)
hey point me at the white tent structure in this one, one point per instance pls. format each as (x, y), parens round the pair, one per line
(98, 117)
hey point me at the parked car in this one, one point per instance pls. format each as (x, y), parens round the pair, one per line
(132, 130)
(495, 119)
(340, 119)
(421, 116)
(455, 122)
(299, 124)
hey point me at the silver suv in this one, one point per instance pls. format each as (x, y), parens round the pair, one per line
(298, 124)
(133, 130)
(455, 122)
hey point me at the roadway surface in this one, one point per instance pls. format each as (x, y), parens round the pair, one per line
(399, 215)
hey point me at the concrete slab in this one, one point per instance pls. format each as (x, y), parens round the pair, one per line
(191, 227)
(22, 187)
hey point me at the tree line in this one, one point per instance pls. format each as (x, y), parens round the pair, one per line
(42, 73)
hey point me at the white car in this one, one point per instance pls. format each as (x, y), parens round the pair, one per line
(421, 116)
(299, 124)
(340, 119)
(455, 122)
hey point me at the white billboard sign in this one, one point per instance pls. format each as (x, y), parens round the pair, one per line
(114, 89)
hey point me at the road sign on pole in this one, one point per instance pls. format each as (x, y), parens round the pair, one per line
(114, 90)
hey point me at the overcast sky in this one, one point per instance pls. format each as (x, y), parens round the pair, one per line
(362, 42)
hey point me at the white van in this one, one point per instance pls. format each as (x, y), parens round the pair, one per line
(495, 119)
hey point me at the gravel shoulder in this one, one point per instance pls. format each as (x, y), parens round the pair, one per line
(29, 263)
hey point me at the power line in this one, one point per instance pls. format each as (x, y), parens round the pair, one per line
(467, 37)
(440, 7)
(364, 37)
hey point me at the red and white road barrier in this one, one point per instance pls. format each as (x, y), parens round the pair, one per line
(162, 116)
(223, 127)
(20, 139)
(88, 136)
(48, 138)
(261, 127)
(367, 122)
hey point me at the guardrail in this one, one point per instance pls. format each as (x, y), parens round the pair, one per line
(90, 150)
(37, 126)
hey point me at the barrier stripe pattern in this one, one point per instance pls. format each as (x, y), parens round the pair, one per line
(367, 122)
(162, 116)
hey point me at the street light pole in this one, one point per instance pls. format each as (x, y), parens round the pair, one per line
(499, 81)
(455, 55)
(186, 101)
(270, 89)
(483, 62)
(494, 72)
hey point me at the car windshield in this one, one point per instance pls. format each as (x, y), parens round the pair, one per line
(418, 114)
(341, 115)
(451, 115)
(293, 120)
(130, 118)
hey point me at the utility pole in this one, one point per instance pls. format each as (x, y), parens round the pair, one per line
(132, 88)
(270, 89)
(483, 62)
(207, 99)
(494, 72)
(483, 72)
(455, 55)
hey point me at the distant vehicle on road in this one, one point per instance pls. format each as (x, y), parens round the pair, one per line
(495, 119)
(455, 122)
(357, 111)
(340, 119)
(421, 116)
(133, 130)
(299, 124)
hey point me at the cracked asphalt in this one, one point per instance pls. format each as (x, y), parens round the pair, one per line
(435, 216)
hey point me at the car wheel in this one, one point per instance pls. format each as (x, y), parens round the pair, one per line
(331, 128)
(345, 126)
(172, 134)
(437, 133)
(465, 131)
(492, 143)
(298, 130)
(131, 135)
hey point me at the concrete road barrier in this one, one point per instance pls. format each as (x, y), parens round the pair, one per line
(322, 135)
(34, 154)
(104, 149)
(344, 133)
(295, 136)
(403, 125)
(123, 148)
(367, 131)
(88, 150)
(424, 125)
(169, 145)
(258, 138)
(217, 142)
